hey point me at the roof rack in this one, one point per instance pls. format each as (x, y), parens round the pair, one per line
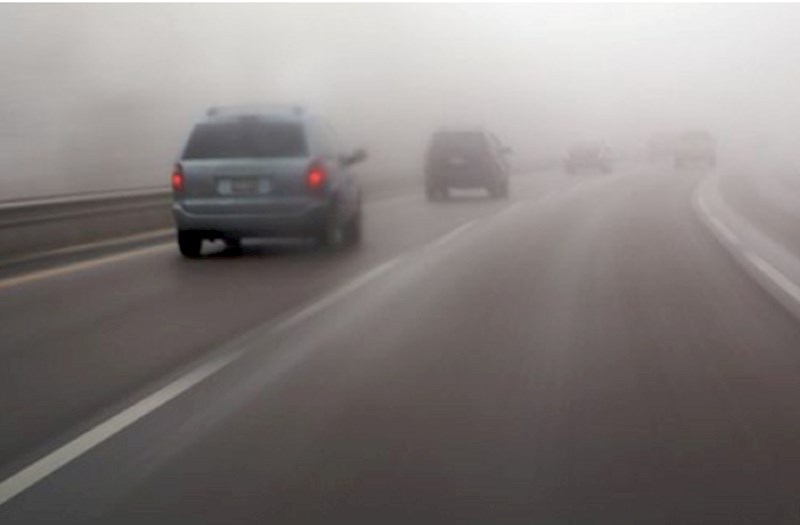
(215, 111)
(461, 129)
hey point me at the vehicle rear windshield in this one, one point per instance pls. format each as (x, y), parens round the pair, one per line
(585, 151)
(246, 138)
(698, 138)
(466, 142)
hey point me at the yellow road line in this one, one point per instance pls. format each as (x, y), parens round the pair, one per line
(80, 266)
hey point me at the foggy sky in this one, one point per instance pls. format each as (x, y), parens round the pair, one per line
(100, 97)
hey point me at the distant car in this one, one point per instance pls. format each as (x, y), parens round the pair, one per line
(588, 156)
(466, 159)
(695, 147)
(264, 172)
(661, 147)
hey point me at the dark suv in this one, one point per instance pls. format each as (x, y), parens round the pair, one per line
(264, 172)
(695, 147)
(466, 159)
(588, 155)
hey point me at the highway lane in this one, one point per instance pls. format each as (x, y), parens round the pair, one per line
(593, 356)
(85, 338)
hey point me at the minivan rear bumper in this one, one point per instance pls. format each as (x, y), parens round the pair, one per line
(465, 179)
(302, 223)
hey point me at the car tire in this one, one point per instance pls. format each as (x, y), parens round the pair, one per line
(438, 193)
(431, 193)
(498, 190)
(190, 243)
(501, 191)
(352, 231)
(233, 244)
(331, 234)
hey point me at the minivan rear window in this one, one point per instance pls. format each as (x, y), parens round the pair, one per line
(246, 138)
(465, 144)
(458, 141)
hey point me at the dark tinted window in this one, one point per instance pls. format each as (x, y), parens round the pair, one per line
(586, 150)
(468, 145)
(458, 141)
(246, 137)
(696, 138)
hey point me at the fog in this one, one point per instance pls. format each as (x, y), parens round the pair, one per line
(98, 97)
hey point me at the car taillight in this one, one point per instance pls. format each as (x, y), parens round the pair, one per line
(177, 178)
(315, 179)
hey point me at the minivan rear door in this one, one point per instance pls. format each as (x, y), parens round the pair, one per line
(234, 164)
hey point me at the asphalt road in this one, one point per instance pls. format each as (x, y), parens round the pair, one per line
(586, 352)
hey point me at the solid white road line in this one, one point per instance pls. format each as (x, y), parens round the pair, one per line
(40, 469)
(766, 269)
(776, 276)
(724, 230)
(52, 462)
(327, 300)
(449, 237)
(517, 206)
(701, 205)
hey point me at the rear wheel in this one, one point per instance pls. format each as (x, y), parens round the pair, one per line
(504, 190)
(436, 192)
(431, 193)
(331, 234)
(498, 190)
(190, 243)
(352, 231)
(233, 244)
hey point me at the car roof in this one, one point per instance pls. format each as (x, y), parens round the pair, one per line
(696, 133)
(456, 131)
(289, 113)
(588, 144)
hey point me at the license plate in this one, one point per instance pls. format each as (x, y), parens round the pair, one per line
(243, 186)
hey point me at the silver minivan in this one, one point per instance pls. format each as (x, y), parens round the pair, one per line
(264, 172)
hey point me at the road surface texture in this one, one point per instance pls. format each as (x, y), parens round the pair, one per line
(585, 352)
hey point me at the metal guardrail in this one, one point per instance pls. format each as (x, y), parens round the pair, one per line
(33, 211)
(33, 226)
(40, 225)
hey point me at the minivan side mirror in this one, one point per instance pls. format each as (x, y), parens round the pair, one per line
(357, 156)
